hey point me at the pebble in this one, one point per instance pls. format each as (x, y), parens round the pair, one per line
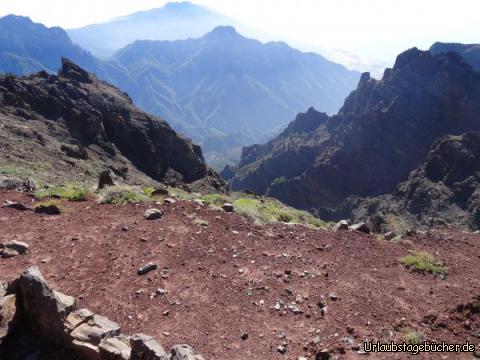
(147, 268)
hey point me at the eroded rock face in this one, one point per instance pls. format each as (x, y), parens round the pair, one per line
(8, 315)
(77, 108)
(145, 347)
(185, 352)
(444, 188)
(384, 130)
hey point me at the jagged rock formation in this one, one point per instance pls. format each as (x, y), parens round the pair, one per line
(445, 188)
(37, 321)
(74, 125)
(384, 130)
(470, 52)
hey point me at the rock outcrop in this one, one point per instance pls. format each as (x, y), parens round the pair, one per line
(444, 189)
(48, 322)
(470, 52)
(45, 116)
(383, 132)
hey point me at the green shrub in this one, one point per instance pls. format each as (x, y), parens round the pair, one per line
(413, 337)
(423, 262)
(119, 195)
(215, 199)
(68, 192)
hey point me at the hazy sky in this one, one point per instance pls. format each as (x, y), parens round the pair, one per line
(374, 28)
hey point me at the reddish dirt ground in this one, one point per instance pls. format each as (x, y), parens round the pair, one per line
(223, 280)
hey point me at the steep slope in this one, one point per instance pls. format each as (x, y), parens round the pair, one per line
(224, 83)
(173, 21)
(384, 130)
(72, 125)
(446, 186)
(470, 52)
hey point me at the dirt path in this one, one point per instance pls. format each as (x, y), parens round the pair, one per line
(224, 280)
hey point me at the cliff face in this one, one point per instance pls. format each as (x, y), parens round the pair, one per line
(83, 123)
(446, 186)
(470, 52)
(384, 130)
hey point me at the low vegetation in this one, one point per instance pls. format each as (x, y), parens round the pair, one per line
(119, 195)
(69, 192)
(424, 262)
(413, 337)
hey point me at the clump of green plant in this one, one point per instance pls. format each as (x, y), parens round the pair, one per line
(148, 191)
(119, 195)
(215, 199)
(271, 211)
(201, 222)
(69, 192)
(424, 262)
(182, 194)
(413, 337)
(8, 169)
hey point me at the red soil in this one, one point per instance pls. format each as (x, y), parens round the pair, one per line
(216, 278)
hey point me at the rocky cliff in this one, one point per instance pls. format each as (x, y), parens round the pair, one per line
(384, 130)
(445, 188)
(72, 125)
(470, 52)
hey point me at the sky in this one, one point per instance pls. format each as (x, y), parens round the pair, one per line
(370, 29)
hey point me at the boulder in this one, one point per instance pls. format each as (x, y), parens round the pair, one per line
(115, 348)
(145, 347)
(362, 227)
(8, 315)
(160, 191)
(105, 179)
(18, 246)
(185, 352)
(50, 209)
(15, 205)
(86, 337)
(341, 225)
(169, 201)
(152, 214)
(45, 309)
(227, 207)
(8, 253)
(389, 235)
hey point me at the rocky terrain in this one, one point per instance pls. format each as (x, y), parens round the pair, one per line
(445, 186)
(71, 126)
(236, 289)
(384, 131)
(470, 52)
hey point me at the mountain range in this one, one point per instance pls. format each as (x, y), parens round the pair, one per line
(384, 130)
(222, 90)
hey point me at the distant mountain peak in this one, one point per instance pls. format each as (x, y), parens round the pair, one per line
(223, 32)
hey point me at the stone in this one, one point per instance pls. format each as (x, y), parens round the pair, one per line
(362, 227)
(152, 214)
(389, 235)
(323, 355)
(185, 352)
(145, 347)
(105, 179)
(160, 191)
(169, 201)
(8, 315)
(45, 308)
(115, 348)
(282, 349)
(8, 253)
(227, 207)
(146, 269)
(50, 209)
(15, 205)
(19, 246)
(341, 225)
(87, 335)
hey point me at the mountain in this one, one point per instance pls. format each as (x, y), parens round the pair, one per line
(174, 21)
(71, 126)
(384, 130)
(445, 186)
(223, 84)
(223, 90)
(470, 52)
